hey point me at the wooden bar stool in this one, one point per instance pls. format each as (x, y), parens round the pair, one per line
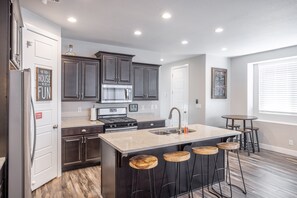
(176, 157)
(204, 151)
(256, 143)
(227, 147)
(143, 162)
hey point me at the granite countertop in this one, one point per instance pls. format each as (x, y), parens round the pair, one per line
(2, 160)
(141, 140)
(145, 117)
(79, 122)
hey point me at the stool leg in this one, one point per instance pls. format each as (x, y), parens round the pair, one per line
(154, 183)
(150, 181)
(176, 177)
(252, 140)
(201, 172)
(188, 180)
(240, 141)
(244, 191)
(228, 169)
(164, 171)
(213, 177)
(192, 176)
(258, 145)
(132, 188)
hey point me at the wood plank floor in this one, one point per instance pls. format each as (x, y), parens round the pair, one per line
(267, 175)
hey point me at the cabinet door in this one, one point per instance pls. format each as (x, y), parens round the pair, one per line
(109, 69)
(152, 83)
(138, 83)
(124, 70)
(90, 80)
(71, 71)
(92, 148)
(72, 151)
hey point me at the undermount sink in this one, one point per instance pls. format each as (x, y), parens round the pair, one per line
(168, 131)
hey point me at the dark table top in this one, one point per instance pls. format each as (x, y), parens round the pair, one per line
(240, 117)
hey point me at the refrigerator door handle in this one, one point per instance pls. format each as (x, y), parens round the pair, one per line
(34, 129)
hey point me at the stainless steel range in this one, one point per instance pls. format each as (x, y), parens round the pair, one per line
(116, 120)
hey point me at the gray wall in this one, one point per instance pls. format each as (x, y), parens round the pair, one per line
(273, 135)
(215, 108)
(196, 88)
(199, 88)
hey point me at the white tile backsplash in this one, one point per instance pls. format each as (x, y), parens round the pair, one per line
(82, 109)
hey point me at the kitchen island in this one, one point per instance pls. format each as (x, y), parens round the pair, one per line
(118, 148)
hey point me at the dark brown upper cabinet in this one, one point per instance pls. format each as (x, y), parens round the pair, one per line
(80, 78)
(116, 68)
(145, 81)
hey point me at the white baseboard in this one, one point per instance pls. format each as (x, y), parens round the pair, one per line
(279, 149)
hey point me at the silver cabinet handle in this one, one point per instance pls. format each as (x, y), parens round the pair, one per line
(83, 130)
(55, 126)
(152, 124)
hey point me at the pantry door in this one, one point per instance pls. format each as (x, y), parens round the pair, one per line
(42, 52)
(180, 93)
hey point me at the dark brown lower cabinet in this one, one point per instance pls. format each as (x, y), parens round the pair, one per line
(79, 151)
(151, 124)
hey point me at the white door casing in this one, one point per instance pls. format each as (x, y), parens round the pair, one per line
(42, 51)
(180, 93)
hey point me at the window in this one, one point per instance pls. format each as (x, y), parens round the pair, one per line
(277, 87)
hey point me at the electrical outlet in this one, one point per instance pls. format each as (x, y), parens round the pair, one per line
(291, 142)
(78, 109)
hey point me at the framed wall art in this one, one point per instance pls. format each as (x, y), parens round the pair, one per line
(218, 83)
(43, 84)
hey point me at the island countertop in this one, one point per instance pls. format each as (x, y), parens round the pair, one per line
(141, 140)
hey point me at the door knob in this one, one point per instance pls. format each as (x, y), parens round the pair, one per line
(55, 126)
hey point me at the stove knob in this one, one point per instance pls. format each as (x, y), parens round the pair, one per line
(110, 126)
(132, 124)
(114, 125)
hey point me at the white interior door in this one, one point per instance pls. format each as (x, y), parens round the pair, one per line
(41, 51)
(180, 93)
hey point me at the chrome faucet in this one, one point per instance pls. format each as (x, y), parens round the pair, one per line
(179, 117)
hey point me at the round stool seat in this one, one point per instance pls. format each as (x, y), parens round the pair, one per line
(228, 145)
(143, 162)
(205, 150)
(235, 125)
(177, 156)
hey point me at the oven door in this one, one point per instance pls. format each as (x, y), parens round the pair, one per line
(115, 130)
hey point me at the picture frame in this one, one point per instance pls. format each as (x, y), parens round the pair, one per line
(218, 83)
(133, 107)
(43, 84)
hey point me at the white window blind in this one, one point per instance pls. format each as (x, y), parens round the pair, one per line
(278, 87)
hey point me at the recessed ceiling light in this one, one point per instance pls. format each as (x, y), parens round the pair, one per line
(219, 30)
(224, 49)
(137, 33)
(184, 42)
(161, 59)
(166, 15)
(72, 20)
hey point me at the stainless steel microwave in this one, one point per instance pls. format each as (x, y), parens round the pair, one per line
(116, 93)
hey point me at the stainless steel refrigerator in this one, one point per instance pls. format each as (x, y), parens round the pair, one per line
(21, 147)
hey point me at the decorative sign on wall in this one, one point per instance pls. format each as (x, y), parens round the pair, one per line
(43, 84)
(218, 83)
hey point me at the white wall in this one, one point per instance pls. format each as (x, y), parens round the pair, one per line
(196, 88)
(46, 27)
(215, 108)
(273, 135)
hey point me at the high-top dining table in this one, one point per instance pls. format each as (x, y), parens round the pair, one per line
(244, 118)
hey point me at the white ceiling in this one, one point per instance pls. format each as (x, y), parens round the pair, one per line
(250, 26)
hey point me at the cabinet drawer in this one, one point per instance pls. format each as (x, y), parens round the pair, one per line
(151, 124)
(81, 130)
